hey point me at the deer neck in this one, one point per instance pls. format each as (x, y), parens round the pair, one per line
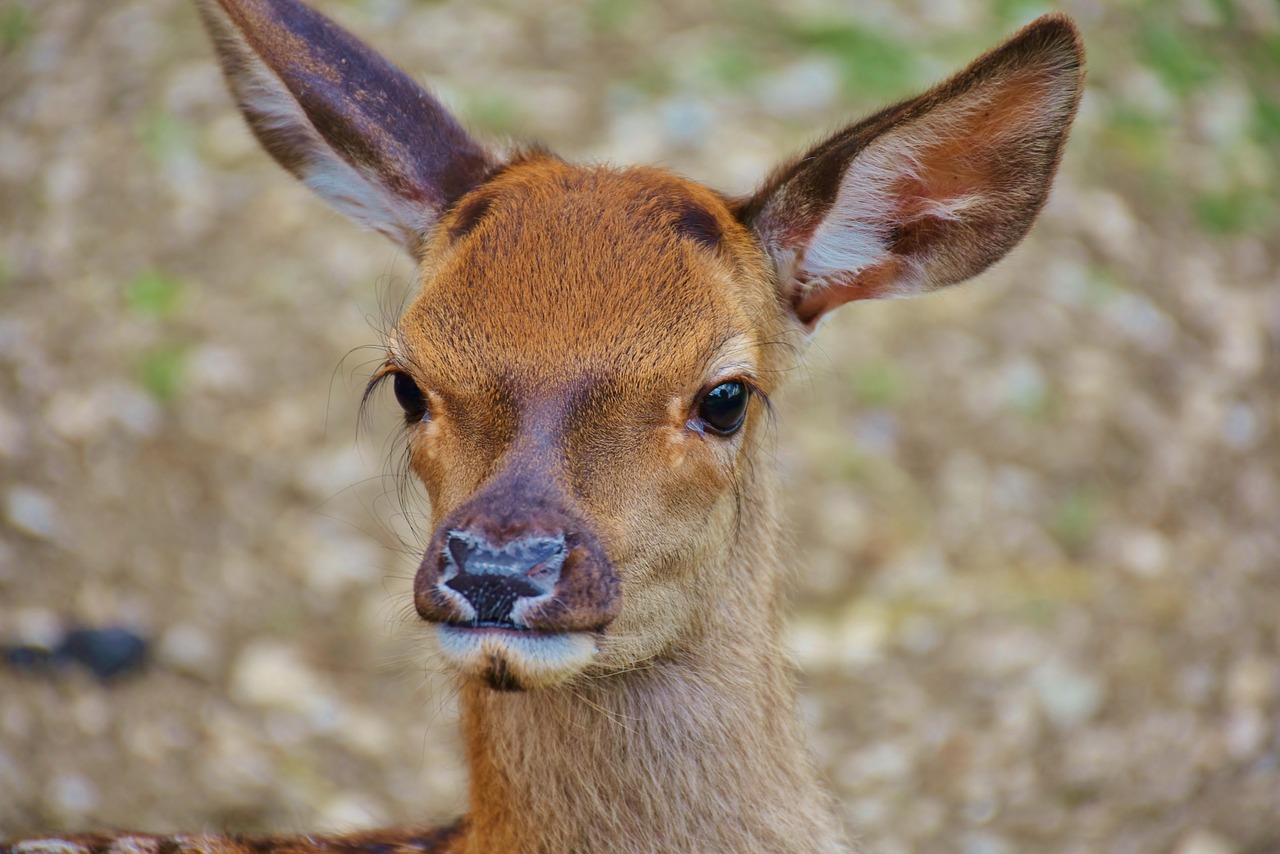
(699, 750)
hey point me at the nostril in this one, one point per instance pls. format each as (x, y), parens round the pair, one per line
(492, 577)
(458, 549)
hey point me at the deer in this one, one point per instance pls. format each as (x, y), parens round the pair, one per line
(585, 374)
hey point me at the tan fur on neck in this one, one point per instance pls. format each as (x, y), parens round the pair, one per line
(700, 751)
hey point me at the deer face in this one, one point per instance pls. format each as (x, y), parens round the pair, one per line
(587, 362)
(593, 350)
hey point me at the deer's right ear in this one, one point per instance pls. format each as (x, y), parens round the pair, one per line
(928, 192)
(353, 127)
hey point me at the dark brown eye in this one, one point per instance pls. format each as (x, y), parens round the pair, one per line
(410, 398)
(724, 408)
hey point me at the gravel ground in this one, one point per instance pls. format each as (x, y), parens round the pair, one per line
(1040, 607)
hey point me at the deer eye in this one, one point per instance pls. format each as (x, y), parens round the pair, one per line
(410, 398)
(724, 407)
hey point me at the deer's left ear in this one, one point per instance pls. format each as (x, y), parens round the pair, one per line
(928, 192)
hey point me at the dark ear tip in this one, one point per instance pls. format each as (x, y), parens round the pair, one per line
(1054, 33)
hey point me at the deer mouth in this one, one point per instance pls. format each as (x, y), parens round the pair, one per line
(512, 659)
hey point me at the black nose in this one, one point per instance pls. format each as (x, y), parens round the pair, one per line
(493, 578)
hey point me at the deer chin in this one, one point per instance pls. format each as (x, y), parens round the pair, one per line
(516, 659)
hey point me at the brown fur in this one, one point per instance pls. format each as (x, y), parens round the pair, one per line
(568, 322)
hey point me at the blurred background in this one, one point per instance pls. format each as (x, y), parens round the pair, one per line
(1039, 605)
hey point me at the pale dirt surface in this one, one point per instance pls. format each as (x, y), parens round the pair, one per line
(1037, 518)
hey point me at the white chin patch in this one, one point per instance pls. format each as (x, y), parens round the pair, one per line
(514, 659)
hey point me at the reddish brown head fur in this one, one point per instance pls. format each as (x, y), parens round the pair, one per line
(553, 406)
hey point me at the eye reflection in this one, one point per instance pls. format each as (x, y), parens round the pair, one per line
(724, 407)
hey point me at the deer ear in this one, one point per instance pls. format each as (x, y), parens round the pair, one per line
(353, 127)
(928, 192)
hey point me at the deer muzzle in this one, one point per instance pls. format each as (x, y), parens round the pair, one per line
(519, 588)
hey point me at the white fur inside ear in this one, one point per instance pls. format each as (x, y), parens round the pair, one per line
(855, 234)
(277, 117)
(329, 176)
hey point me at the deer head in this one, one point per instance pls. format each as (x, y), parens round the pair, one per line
(587, 366)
